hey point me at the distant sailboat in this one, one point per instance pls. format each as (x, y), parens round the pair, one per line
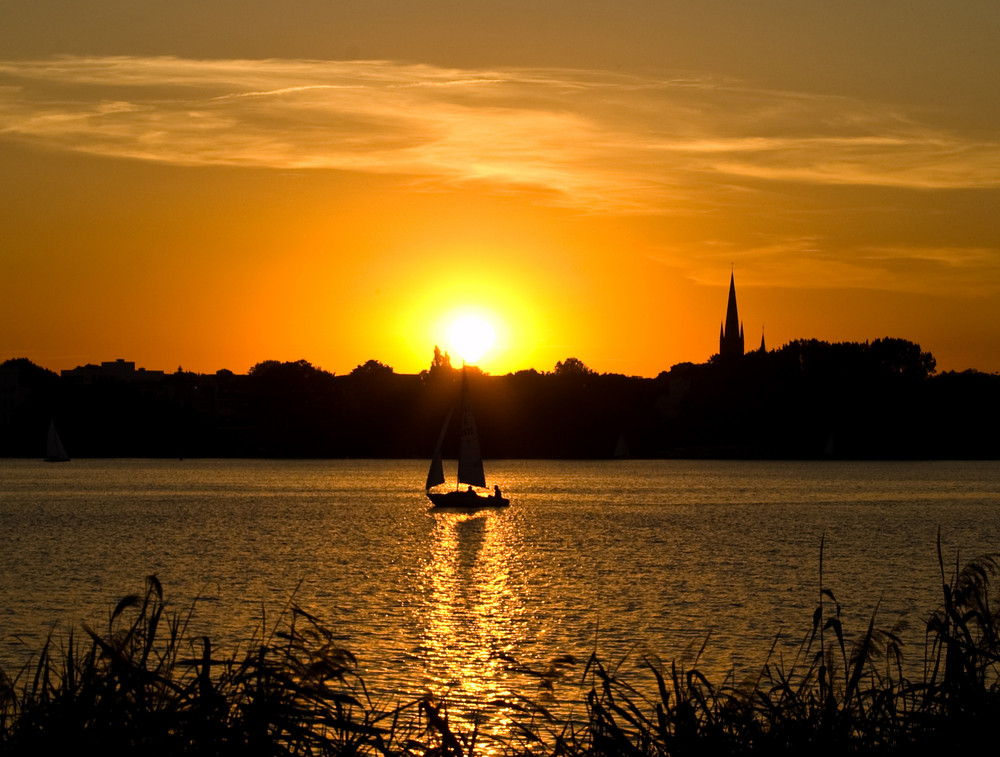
(54, 450)
(470, 464)
(621, 448)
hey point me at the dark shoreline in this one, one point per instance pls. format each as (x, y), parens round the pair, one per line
(808, 400)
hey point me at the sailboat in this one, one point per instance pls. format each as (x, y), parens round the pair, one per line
(54, 450)
(470, 465)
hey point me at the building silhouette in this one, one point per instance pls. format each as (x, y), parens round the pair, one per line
(110, 371)
(731, 332)
(731, 344)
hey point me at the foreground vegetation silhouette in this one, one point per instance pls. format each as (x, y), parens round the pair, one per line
(135, 689)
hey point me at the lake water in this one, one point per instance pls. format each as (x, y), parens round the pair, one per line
(635, 557)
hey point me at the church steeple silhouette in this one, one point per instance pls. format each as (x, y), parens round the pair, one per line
(731, 334)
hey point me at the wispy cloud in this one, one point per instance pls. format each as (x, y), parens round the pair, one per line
(591, 139)
(814, 262)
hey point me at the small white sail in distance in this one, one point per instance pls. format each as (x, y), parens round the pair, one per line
(54, 450)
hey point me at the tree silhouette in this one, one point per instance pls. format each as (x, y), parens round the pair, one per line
(903, 357)
(441, 361)
(372, 368)
(572, 366)
(807, 399)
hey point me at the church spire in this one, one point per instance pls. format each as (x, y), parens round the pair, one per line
(731, 338)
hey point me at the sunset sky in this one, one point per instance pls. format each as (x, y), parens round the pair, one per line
(211, 184)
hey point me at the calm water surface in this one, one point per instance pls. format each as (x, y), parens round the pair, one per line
(636, 557)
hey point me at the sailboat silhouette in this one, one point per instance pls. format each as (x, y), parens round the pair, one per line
(470, 464)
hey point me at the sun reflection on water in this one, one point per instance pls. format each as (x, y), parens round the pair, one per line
(471, 616)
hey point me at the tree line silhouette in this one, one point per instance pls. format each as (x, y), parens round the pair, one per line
(807, 400)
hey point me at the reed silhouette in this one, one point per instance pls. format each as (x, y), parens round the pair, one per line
(143, 686)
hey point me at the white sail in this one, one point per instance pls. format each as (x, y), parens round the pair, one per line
(621, 448)
(54, 450)
(435, 475)
(470, 458)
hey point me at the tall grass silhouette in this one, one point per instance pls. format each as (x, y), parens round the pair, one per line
(145, 686)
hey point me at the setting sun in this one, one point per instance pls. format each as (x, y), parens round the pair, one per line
(470, 336)
(500, 328)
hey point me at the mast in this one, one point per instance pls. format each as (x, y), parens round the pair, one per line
(470, 457)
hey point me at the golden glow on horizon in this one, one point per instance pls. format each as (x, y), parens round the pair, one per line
(344, 210)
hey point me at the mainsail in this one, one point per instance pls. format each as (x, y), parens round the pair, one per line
(470, 458)
(435, 475)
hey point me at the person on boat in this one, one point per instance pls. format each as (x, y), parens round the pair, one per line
(496, 491)
(469, 490)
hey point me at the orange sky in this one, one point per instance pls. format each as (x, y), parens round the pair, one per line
(209, 187)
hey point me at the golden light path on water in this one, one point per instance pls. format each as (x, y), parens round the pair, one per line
(470, 618)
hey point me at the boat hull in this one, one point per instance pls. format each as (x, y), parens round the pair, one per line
(465, 500)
